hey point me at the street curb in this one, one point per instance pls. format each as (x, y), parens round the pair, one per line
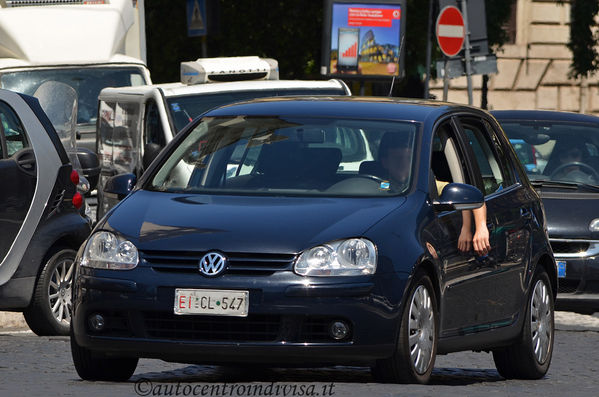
(12, 321)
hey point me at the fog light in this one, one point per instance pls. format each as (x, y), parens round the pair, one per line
(96, 322)
(339, 330)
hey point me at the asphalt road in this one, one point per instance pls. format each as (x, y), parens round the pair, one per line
(42, 366)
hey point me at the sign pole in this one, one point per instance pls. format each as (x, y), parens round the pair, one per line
(429, 40)
(467, 51)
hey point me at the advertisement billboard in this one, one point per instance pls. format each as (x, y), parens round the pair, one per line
(362, 39)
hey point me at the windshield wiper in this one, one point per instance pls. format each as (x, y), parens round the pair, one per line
(548, 183)
(562, 184)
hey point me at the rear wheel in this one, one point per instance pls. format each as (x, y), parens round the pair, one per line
(414, 357)
(530, 357)
(93, 366)
(49, 312)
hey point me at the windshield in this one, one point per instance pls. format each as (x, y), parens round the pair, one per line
(87, 82)
(556, 151)
(185, 108)
(291, 156)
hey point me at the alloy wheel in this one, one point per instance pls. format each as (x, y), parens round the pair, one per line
(541, 323)
(59, 290)
(421, 328)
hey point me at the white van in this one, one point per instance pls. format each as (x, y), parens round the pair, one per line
(135, 123)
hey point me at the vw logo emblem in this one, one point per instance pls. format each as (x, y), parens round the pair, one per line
(212, 264)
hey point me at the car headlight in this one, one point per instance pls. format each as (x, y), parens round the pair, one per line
(351, 257)
(594, 225)
(104, 250)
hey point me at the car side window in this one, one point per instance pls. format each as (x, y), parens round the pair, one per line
(509, 174)
(153, 132)
(447, 163)
(13, 134)
(477, 136)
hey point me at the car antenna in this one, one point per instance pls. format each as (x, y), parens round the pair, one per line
(398, 55)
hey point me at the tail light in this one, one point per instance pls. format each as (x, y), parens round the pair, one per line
(75, 177)
(77, 197)
(77, 200)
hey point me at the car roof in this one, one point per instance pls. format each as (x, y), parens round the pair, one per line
(180, 89)
(341, 106)
(544, 115)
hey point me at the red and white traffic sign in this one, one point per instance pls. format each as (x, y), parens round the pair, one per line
(450, 30)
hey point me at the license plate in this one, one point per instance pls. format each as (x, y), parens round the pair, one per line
(561, 269)
(212, 302)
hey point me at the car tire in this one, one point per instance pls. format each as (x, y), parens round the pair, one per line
(530, 357)
(49, 312)
(416, 347)
(96, 367)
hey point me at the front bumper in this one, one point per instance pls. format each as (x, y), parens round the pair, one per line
(288, 321)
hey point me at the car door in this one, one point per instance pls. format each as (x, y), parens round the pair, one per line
(459, 268)
(18, 175)
(498, 288)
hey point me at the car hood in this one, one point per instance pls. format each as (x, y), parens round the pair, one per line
(192, 222)
(570, 213)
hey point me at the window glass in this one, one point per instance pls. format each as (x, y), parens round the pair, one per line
(290, 156)
(87, 82)
(153, 132)
(184, 109)
(504, 159)
(565, 151)
(119, 135)
(14, 134)
(488, 164)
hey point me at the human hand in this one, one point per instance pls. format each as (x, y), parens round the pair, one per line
(480, 241)
(465, 240)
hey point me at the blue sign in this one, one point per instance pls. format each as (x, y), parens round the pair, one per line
(561, 269)
(196, 18)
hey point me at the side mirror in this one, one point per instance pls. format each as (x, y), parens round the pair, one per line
(90, 165)
(120, 185)
(459, 196)
(151, 151)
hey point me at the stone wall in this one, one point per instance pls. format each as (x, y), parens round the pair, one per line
(533, 72)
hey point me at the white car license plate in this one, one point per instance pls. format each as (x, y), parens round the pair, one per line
(212, 302)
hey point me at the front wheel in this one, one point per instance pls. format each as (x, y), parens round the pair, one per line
(49, 312)
(530, 357)
(414, 357)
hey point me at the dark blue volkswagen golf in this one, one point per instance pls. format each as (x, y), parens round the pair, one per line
(321, 231)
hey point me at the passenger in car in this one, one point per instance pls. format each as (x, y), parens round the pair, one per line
(395, 159)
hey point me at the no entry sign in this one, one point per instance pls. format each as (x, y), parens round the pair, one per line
(450, 30)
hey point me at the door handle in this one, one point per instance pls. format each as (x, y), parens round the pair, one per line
(26, 162)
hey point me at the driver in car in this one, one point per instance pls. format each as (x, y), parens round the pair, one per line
(573, 164)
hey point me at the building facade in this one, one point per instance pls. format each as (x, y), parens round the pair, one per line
(533, 70)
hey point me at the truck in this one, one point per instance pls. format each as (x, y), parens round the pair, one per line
(87, 44)
(135, 123)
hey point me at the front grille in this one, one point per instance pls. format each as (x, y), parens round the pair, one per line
(569, 247)
(238, 263)
(254, 328)
(567, 286)
(198, 328)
